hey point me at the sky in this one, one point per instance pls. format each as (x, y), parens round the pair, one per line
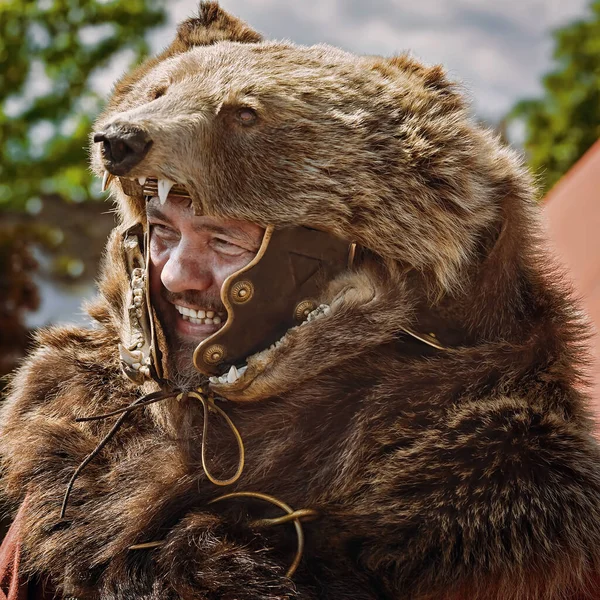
(498, 50)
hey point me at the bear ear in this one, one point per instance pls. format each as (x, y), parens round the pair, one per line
(433, 78)
(212, 25)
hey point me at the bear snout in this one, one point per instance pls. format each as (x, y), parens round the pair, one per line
(123, 147)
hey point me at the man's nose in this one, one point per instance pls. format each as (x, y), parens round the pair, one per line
(123, 147)
(184, 271)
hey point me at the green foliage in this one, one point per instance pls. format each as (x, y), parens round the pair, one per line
(50, 53)
(562, 125)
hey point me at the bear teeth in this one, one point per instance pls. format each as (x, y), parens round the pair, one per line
(106, 179)
(323, 310)
(164, 187)
(230, 377)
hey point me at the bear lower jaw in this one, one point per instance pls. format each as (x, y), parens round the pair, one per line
(235, 375)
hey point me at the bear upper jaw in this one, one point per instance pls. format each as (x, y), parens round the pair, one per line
(147, 186)
(162, 188)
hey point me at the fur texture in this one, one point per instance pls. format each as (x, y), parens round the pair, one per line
(469, 473)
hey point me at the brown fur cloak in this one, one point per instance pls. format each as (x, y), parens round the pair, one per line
(464, 473)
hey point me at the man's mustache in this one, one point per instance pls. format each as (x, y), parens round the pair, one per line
(195, 298)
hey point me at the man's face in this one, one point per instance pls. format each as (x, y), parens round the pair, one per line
(190, 257)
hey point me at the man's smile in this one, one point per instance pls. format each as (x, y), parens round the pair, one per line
(199, 316)
(198, 323)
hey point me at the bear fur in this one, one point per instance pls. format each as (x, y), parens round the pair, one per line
(464, 473)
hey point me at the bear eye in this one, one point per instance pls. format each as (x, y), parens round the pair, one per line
(158, 92)
(247, 115)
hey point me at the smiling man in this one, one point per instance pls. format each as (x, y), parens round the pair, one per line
(190, 258)
(329, 360)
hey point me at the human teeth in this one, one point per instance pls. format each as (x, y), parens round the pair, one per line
(106, 179)
(233, 375)
(200, 317)
(164, 187)
(141, 180)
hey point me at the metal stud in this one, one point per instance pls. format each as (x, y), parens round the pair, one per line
(242, 291)
(303, 309)
(214, 354)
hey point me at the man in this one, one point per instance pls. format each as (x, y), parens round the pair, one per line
(329, 359)
(190, 258)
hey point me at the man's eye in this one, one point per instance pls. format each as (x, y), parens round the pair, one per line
(227, 247)
(163, 231)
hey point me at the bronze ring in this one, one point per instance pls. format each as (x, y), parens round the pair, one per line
(295, 516)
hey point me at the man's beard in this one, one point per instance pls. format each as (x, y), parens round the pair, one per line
(180, 352)
(180, 364)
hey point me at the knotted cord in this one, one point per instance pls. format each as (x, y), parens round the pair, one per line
(143, 401)
(208, 404)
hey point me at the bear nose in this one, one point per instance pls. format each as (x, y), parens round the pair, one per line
(123, 147)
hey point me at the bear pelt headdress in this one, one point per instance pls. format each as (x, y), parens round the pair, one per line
(464, 469)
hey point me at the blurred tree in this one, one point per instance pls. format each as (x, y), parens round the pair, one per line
(18, 294)
(563, 124)
(52, 57)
